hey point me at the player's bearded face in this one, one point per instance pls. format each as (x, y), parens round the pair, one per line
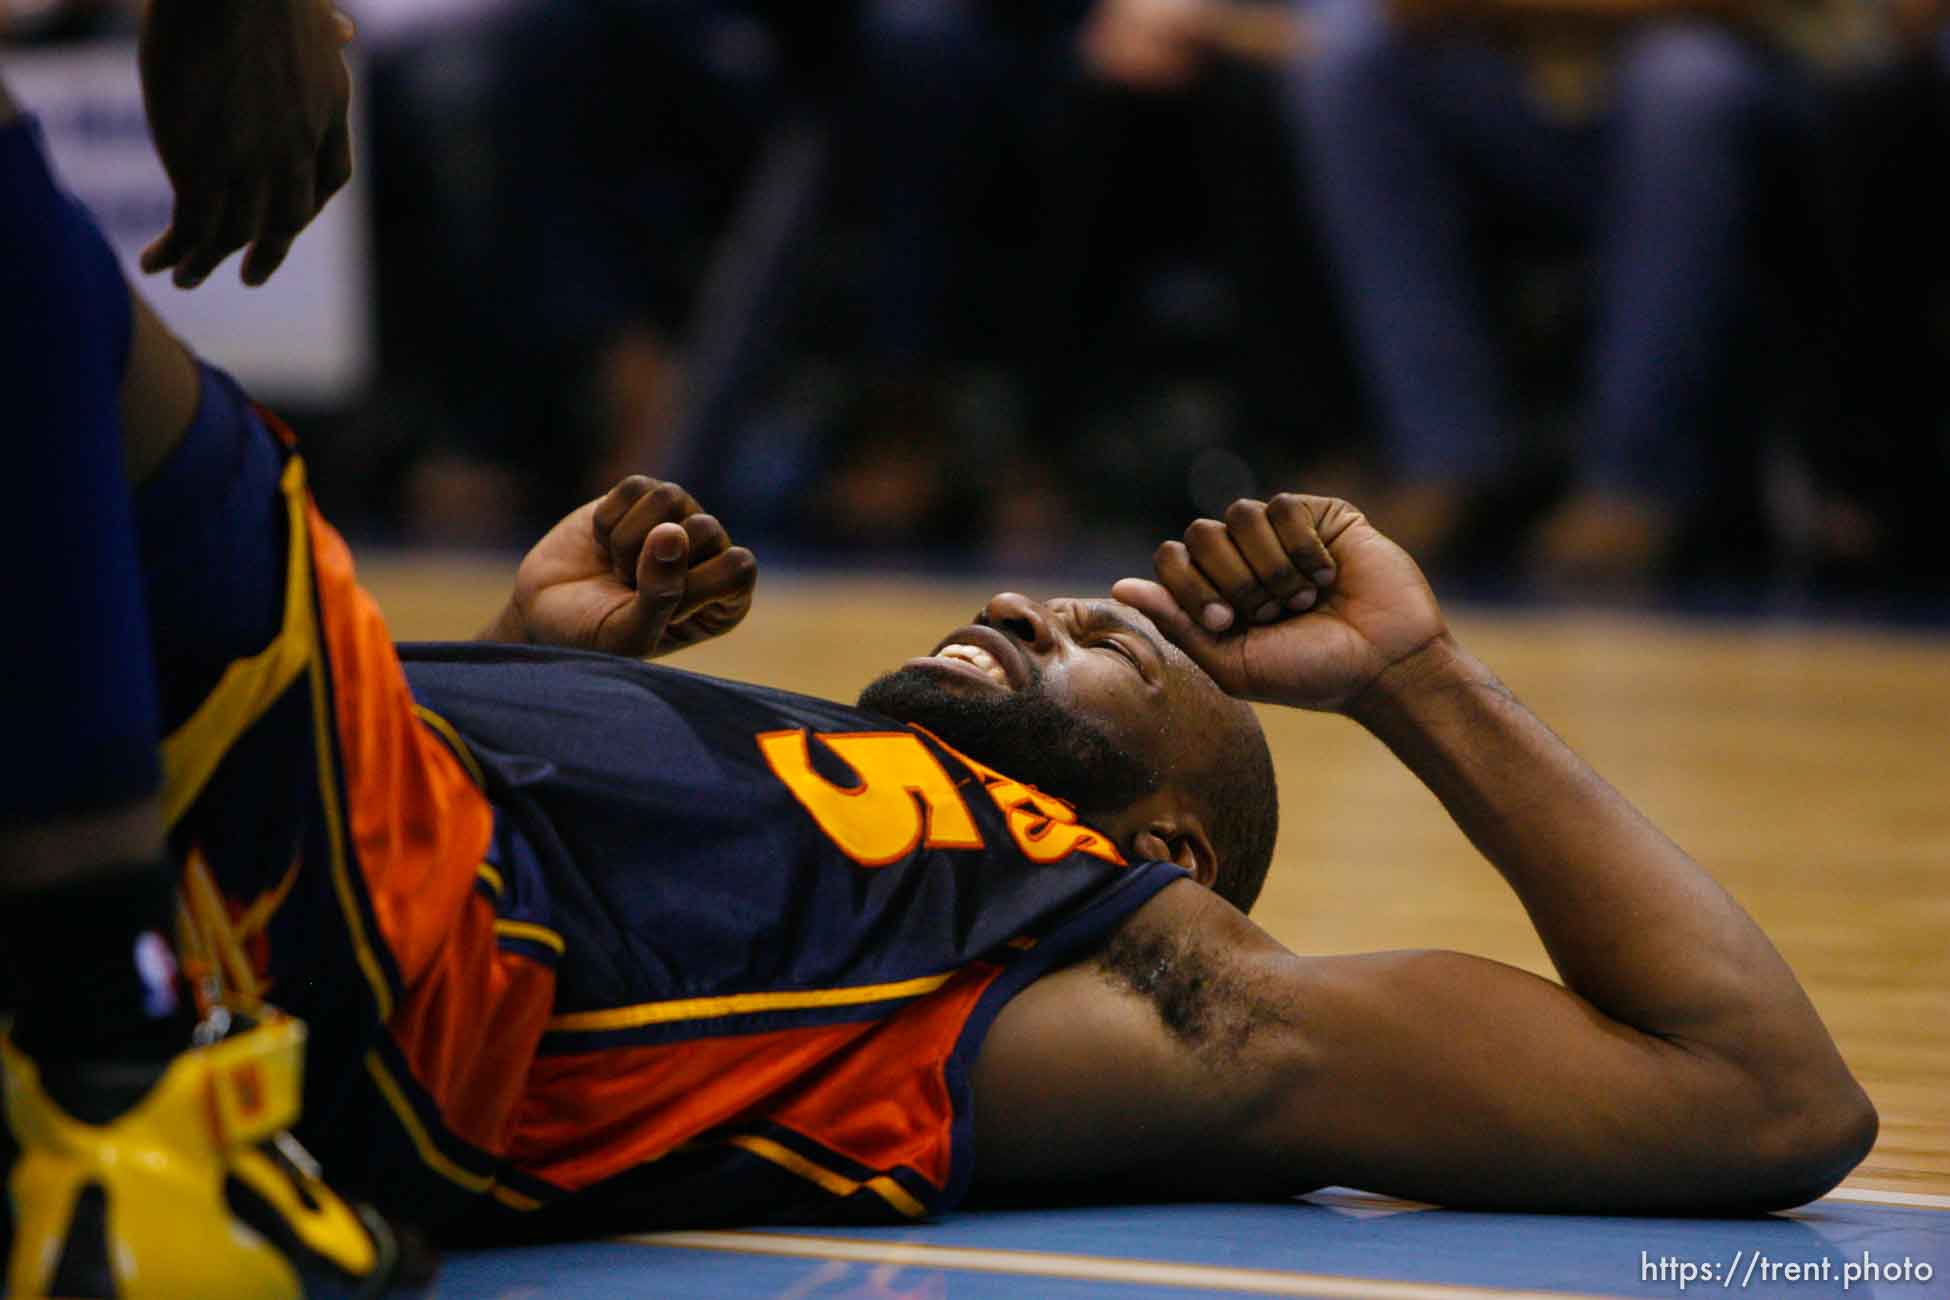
(1023, 734)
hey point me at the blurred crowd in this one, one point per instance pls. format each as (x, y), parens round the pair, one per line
(1592, 290)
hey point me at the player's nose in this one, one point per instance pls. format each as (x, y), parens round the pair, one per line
(1024, 619)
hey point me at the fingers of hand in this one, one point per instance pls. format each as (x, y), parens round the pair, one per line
(163, 250)
(708, 537)
(1194, 593)
(1265, 562)
(675, 586)
(1216, 550)
(243, 216)
(633, 510)
(1163, 607)
(1295, 520)
(1286, 587)
(291, 205)
(191, 224)
(659, 577)
(263, 196)
(616, 503)
(722, 583)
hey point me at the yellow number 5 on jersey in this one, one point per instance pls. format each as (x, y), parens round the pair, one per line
(905, 798)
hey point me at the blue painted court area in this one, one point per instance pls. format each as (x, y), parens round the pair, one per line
(1334, 1244)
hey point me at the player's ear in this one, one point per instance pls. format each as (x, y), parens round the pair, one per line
(1179, 838)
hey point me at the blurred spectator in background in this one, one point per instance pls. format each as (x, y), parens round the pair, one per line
(1879, 444)
(1653, 132)
(1097, 164)
(555, 189)
(549, 177)
(1065, 281)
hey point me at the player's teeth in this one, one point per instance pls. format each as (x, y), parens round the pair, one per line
(975, 657)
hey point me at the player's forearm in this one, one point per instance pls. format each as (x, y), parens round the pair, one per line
(1633, 924)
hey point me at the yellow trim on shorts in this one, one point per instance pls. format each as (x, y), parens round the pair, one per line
(248, 687)
(486, 872)
(533, 933)
(513, 1199)
(741, 1004)
(328, 795)
(446, 731)
(430, 1155)
(838, 1184)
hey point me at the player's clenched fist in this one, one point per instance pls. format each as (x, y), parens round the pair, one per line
(640, 571)
(1296, 601)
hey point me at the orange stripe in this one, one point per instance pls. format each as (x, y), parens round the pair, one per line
(411, 834)
(419, 826)
(475, 1079)
(873, 1093)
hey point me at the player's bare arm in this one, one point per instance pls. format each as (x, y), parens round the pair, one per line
(1679, 1067)
(640, 571)
(247, 100)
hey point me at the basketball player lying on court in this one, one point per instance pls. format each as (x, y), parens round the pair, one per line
(587, 943)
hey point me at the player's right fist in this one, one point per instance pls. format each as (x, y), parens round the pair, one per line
(640, 571)
(1297, 600)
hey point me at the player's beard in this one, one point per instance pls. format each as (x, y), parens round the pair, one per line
(1024, 735)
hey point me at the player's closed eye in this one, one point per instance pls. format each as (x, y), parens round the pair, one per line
(1118, 648)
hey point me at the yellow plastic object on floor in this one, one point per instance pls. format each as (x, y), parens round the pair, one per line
(194, 1190)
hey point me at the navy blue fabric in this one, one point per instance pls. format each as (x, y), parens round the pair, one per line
(640, 818)
(77, 681)
(212, 530)
(677, 864)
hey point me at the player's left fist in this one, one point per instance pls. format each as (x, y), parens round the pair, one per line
(640, 571)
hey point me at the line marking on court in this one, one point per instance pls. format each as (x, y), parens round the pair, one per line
(1349, 1198)
(1874, 1196)
(1090, 1268)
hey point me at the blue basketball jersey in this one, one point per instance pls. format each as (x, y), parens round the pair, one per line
(780, 927)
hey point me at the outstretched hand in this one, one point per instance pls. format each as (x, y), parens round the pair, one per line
(247, 101)
(1296, 601)
(640, 571)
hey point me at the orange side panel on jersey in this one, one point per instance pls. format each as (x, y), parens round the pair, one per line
(419, 825)
(888, 1105)
(469, 1027)
(874, 1092)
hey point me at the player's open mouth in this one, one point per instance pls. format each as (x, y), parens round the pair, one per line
(980, 652)
(977, 658)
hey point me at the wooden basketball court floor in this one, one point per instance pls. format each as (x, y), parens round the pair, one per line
(1808, 767)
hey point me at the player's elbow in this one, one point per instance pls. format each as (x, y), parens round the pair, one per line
(1808, 1147)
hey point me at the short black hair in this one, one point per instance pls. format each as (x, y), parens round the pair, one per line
(1241, 800)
